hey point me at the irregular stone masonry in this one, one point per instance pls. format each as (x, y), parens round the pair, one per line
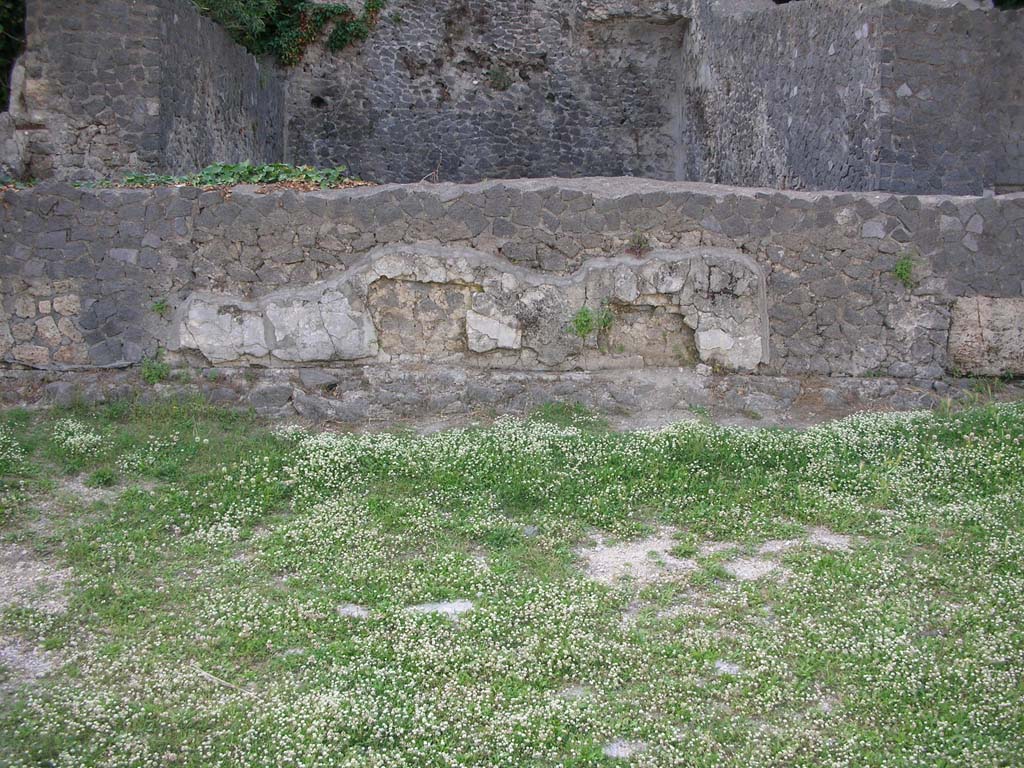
(424, 394)
(104, 277)
(107, 87)
(896, 95)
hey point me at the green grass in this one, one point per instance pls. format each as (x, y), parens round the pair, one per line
(155, 369)
(207, 566)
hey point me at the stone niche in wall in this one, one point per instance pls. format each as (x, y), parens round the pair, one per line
(430, 303)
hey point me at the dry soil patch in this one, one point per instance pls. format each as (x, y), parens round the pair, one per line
(30, 582)
(643, 562)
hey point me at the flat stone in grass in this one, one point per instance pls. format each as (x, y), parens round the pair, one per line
(353, 611)
(644, 562)
(623, 749)
(451, 608)
(750, 568)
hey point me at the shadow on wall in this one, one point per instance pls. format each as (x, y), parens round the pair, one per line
(12, 42)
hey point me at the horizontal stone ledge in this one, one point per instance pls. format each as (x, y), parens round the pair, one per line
(602, 187)
(377, 395)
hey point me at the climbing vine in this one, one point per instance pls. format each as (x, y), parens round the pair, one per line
(286, 28)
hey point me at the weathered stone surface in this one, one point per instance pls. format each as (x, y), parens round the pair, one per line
(822, 95)
(32, 354)
(816, 95)
(487, 332)
(222, 329)
(69, 304)
(6, 340)
(987, 336)
(375, 395)
(417, 301)
(308, 327)
(269, 399)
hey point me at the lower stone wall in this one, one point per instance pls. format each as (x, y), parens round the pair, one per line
(430, 396)
(545, 275)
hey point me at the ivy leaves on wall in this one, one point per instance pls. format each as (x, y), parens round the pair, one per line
(286, 28)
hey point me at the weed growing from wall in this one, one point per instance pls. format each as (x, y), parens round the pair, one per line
(903, 270)
(155, 369)
(499, 78)
(638, 244)
(587, 321)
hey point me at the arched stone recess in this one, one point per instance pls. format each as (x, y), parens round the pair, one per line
(432, 303)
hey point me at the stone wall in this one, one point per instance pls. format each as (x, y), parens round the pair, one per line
(217, 102)
(820, 94)
(788, 93)
(952, 90)
(493, 275)
(894, 95)
(107, 87)
(745, 93)
(506, 88)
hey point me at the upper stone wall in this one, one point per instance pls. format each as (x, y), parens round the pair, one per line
(506, 88)
(952, 103)
(492, 274)
(788, 93)
(894, 95)
(107, 87)
(807, 95)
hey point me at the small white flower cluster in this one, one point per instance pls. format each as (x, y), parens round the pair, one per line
(147, 457)
(10, 451)
(289, 431)
(76, 439)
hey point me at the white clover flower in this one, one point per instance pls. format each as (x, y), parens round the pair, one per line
(75, 438)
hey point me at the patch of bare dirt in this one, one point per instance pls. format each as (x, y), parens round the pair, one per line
(74, 486)
(750, 568)
(643, 562)
(823, 537)
(27, 581)
(26, 663)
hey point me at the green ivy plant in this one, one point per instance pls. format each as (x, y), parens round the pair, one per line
(230, 174)
(286, 28)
